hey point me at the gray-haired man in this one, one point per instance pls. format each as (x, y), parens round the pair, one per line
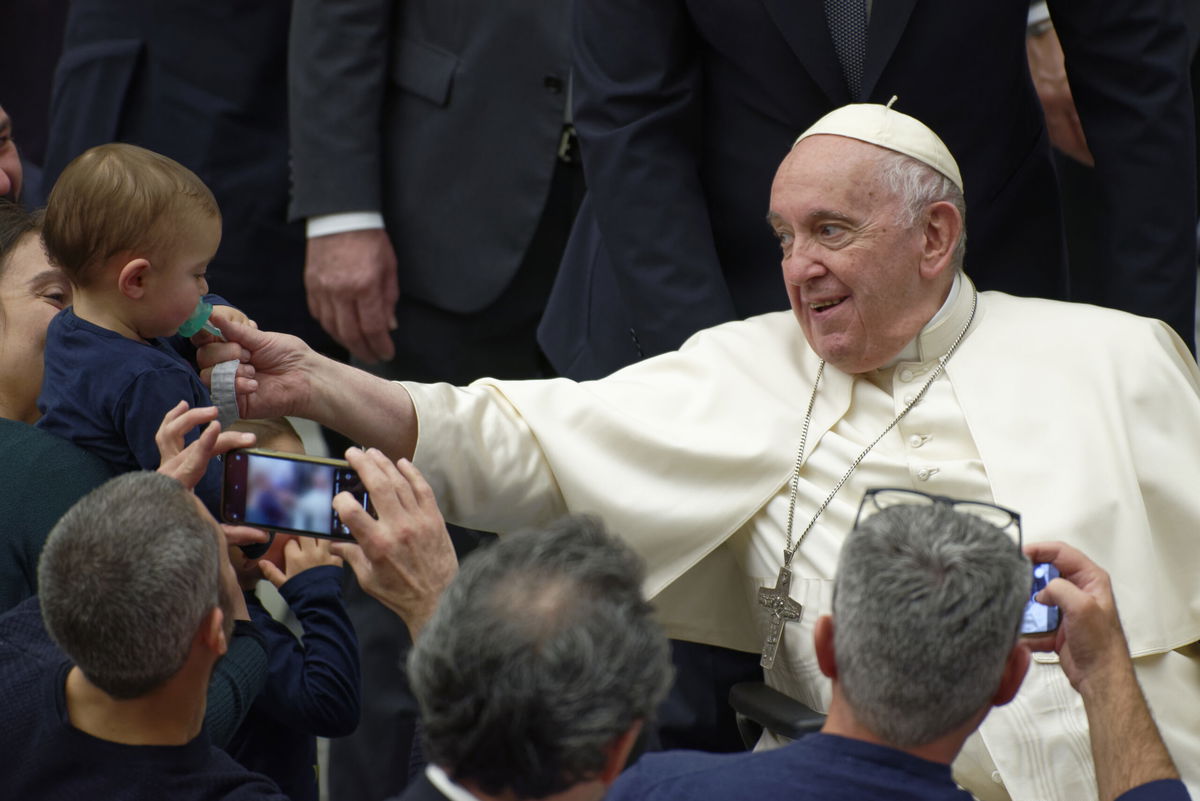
(537, 669)
(921, 645)
(136, 593)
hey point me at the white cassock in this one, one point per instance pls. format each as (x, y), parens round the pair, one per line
(1084, 420)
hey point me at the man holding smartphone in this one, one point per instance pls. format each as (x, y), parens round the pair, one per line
(405, 562)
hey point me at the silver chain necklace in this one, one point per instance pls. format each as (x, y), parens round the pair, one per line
(776, 599)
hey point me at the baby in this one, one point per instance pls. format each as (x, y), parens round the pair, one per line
(134, 231)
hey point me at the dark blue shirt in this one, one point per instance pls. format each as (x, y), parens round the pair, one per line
(108, 394)
(47, 758)
(819, 767)
(312, 688)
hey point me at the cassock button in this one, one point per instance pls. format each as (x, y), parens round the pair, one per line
(909, 398)
(916, 440)
(906, 375)
(924, 473)
(997, 778)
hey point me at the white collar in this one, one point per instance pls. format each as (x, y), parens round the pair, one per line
(938, 334)
(439, 779)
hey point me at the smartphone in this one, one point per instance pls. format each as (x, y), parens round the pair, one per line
(1040, 618)
(288, 492)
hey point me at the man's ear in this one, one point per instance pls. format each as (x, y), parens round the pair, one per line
(823, 643)
(1015, 669)
(616, 754)
(943, 224)
(212, 631)
(132, 278)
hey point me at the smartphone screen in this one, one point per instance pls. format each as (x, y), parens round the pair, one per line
(1040, 618)
(288, 492)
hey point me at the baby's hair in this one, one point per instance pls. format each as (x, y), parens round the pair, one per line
(115, 198)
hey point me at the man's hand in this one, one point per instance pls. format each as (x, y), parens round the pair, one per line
(274, 379)
(1090, 641)
(352, 290)
(188, 464)
(405, 558)
(1048, 68)
(300, 554)
(220, 316)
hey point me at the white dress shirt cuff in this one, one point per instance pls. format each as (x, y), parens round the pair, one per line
(326, 224)
(1038, 12)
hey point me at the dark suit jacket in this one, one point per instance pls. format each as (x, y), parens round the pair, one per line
(203, 82)
(445, 115)
(686, 107)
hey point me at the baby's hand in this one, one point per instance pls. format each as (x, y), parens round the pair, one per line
(300, 554)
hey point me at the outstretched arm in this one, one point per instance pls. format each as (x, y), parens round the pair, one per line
(283, 376)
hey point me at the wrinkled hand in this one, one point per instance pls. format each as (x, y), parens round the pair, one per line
(300, 554)
(1090, 641)
(187, 464)
(274, 379)
(1048, 68)
(405, 558)
(352, 290)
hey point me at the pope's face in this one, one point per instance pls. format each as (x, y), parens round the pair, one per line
(853, 272)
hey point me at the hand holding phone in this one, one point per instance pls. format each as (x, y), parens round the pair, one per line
(1090, 642)
(406, 558)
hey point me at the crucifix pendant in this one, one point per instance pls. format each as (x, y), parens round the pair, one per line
(782, 609)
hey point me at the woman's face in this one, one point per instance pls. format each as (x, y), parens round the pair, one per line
(31, 293)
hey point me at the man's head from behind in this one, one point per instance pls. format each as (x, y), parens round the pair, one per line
(127, 578)
(927, 603)
(540, 661)
(868, 209)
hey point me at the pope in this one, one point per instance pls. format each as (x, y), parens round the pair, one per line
(735, 465)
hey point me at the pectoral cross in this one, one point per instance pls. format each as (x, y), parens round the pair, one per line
(782, 608)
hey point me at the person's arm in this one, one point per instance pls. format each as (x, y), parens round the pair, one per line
(283, 376)
(337, 76)
(1128, 66)
(404, 558)
(316, 682)
(237, 679)
(1127, 748)
(1049, 74)
(637, 88)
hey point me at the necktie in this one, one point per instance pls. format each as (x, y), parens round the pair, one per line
(847, 21)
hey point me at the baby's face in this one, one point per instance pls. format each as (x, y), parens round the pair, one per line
(176, 279)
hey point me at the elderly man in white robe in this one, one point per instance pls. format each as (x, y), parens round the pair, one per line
(735, 465)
